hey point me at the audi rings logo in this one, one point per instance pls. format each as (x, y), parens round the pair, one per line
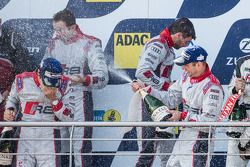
(244, 45)
(214, 97)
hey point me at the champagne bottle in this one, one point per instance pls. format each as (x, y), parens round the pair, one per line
(155, 107)
(6, 146)
(238, 113)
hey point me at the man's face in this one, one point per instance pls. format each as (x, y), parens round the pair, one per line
(48, 91)
(62, 31)
(191, 69)
(181, 41)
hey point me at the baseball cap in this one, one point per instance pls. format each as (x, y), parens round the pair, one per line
(191, 54)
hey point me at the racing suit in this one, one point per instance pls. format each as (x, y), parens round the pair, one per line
(242, 70)
(81, 55)
(202, 98)
(154, 69)
(35, 107)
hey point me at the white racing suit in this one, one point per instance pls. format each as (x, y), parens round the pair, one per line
(154, 69)
(202, 99)
(35, 107)
(242, 70)
(81, 55)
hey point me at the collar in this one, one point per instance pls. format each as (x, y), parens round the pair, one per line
(200, 78)
(35, 76)
(165, 36)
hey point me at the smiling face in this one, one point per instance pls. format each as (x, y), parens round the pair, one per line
(191, 69)
(195, 69)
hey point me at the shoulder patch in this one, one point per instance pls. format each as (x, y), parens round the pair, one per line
(19, 83)
(20, 77)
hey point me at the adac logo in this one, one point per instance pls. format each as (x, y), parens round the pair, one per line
(93, 8)
(3, 3)
(126, 42)
(112, 116)
(127, 48)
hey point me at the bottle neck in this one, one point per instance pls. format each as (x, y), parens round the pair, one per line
(143, 93)
(5, 129)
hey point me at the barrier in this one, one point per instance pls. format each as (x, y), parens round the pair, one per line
(210, 125)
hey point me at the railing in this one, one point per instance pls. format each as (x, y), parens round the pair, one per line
(209, 125)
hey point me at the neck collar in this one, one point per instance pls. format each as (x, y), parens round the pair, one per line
(35, 76)
(165, 36)
(200, 78)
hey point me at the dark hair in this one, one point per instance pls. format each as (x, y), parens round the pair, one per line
(183, 25)
(66, 16)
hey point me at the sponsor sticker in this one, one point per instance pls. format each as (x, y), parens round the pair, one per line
(98, 115)
(127, 49)
(112, 115)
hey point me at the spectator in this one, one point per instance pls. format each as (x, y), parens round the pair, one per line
(40, 95)
(13, 60)
(154, 69)
(83, 61)
(202, 97)
(236, 145)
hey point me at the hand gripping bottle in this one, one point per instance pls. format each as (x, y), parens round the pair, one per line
(156, 108)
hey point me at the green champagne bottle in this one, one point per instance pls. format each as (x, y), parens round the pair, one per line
(6, 146)
(238, 113)
(155, 107)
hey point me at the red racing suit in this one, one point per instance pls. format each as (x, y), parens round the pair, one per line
(202, 99)
(35, 107)
(81, 55)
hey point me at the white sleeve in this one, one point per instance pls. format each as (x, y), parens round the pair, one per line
(13, 99)
(171, 98)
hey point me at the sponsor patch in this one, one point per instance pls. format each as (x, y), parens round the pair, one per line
(214, 91)
(156, 50)
(214, 97)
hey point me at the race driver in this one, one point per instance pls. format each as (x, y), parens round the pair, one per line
(202, 98)
(84, 63)
(154, 69)
(42, 97)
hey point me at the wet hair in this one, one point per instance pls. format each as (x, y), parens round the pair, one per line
(66, 16)
(183, 25)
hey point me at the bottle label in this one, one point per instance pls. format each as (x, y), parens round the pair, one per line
(159, 113)
(5, 159)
